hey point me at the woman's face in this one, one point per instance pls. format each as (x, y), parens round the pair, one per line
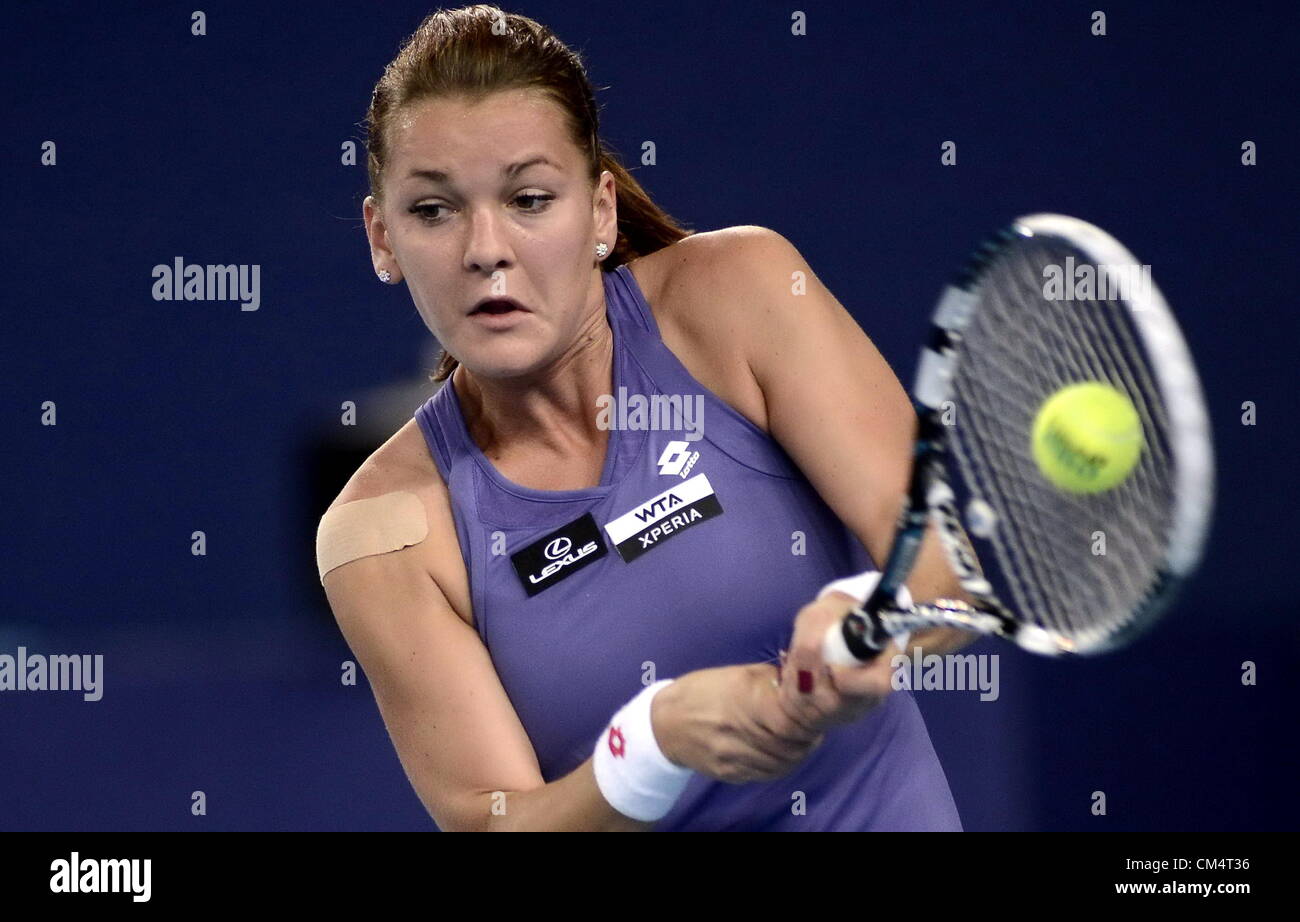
(491, 199)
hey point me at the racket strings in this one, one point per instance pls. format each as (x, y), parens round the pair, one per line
(993, 383)
(1038, 575)
(1100, 357)
(1098, 328)
(1090, 321)
(1048, 575)
(1020, 348)
(1037, 581)
(1093, 319)
(1066, 365)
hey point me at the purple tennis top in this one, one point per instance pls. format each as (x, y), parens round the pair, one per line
(697, 549)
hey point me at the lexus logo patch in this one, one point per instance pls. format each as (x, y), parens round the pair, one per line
(660, 517)
(562, 553)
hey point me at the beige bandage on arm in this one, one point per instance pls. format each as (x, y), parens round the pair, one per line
(365, 527)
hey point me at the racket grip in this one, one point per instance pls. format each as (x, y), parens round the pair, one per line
(835, 649)
(859, 637)
(849, 642)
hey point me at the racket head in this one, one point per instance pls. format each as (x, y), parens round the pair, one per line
(1079, 573)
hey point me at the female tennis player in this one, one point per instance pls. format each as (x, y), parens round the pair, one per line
(573, 618)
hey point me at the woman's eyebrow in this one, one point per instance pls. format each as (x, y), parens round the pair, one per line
(506, 171)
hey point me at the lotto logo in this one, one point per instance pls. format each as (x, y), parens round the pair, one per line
(617, 745)
(678, 459)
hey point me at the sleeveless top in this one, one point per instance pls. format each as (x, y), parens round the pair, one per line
(697, 549)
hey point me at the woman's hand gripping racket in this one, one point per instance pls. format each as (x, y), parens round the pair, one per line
(1061, 420)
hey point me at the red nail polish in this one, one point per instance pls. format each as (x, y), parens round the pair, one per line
(805, 681)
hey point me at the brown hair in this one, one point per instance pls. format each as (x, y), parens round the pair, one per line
(478, 50)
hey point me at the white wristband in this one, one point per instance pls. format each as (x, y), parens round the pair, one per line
(631, 770)
(861, 587)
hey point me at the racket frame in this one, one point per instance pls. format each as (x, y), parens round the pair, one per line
(929, 499)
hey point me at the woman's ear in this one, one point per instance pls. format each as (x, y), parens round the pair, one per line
(605, 207)
(381, 254)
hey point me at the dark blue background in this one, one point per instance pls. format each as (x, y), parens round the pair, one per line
(223, 670)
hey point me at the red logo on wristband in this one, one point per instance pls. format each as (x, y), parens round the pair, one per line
(616, 745)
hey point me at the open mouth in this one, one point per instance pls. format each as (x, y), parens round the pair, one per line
(499, 307)
(496, 307)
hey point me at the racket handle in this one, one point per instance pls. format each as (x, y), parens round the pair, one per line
(849, 642)
(860, 637)
(835, 650)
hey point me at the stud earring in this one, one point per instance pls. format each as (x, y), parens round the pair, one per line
(601, 251)
(384, 276)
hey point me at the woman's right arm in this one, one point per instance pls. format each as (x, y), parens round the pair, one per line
(457, 735)
(455, 731)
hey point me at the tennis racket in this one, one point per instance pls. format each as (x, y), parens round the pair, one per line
(1047, 302)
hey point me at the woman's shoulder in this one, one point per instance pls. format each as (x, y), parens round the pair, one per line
(404, 464)
(696, 291)
(401, 463)
(701, 261)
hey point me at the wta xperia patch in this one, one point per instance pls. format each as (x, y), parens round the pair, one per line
(562, 553)
(661, 517)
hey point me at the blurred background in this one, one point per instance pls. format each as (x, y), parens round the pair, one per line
(222, 671)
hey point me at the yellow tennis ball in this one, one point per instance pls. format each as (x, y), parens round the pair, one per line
(1087, 437)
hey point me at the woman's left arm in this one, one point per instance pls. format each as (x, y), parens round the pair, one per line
(832, 401)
